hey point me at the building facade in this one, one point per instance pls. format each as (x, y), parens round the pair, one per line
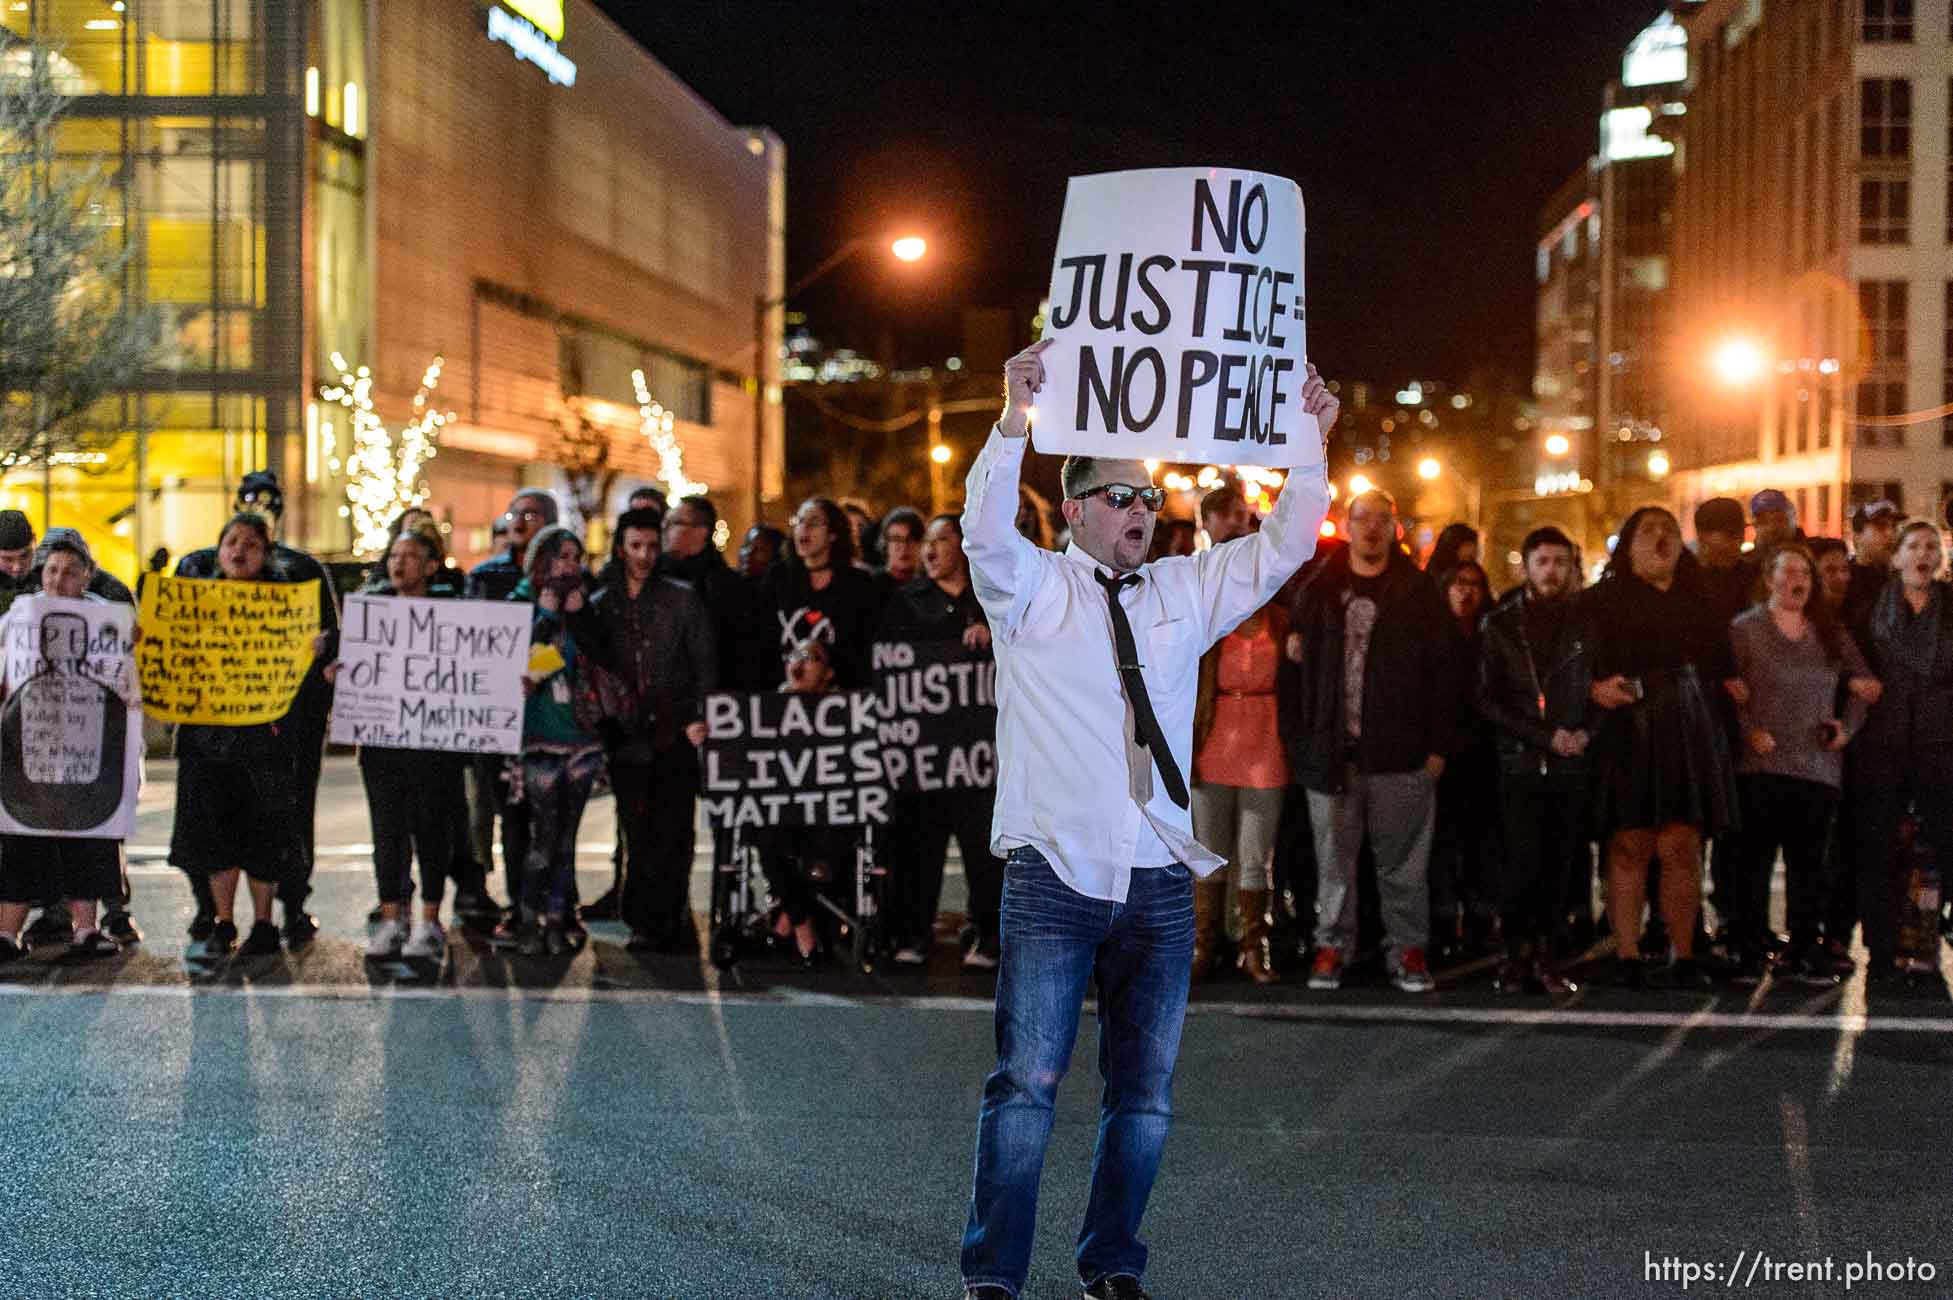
(1812, 270)
(1603, 265)
(517, 189)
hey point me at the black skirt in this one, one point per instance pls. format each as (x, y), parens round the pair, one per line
(1664, 760)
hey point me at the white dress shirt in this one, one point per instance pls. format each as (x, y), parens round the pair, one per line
(1072, 781)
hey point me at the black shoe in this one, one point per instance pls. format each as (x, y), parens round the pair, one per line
(608, 907)
(985, 1293)
(263, 941)
(377, 915)
(1687, 975)
(573, 934)
(475, 905)
(1635, 974)
(1511, 977)
(529, 941)
(121, 927)
(1543, 979)
(10, 952)
(301, 927)
(556, 939)
(1119, 1286)
(1748, 971)
(51, 926)
(222, 941)
(92, 946)
(201, 925)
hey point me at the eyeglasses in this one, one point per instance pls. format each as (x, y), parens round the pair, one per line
(523, 514)
(1119, 495)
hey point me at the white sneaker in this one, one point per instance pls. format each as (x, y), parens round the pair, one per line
(426, 943)
(910, 955)
(384, 943)
(981, 956)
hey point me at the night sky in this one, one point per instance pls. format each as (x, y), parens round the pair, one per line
(1425, 135)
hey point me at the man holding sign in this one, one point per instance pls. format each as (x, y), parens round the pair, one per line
(1097, 662)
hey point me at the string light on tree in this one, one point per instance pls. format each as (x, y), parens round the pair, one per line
(657, 424)
(383, 470)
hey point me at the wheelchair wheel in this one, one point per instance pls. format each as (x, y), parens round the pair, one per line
(725, 949)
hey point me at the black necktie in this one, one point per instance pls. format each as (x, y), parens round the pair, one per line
(1144, 722)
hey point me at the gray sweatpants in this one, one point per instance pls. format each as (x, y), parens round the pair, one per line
(1398, 810)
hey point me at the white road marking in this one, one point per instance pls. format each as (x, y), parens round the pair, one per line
(1309, 1012)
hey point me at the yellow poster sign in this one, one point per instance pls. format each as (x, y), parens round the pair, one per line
(223, 653)
(547, 15)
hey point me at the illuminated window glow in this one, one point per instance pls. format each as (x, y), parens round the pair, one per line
(1624, 135)
(1658, 56)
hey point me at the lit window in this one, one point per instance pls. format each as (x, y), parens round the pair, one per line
(1887, 20)
(1885, 118)
(1884, 211)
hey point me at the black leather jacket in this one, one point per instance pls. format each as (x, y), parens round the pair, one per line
(1527, 693)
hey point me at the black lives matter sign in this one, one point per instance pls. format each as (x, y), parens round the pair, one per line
(938, 709)
(1177, 308)
(786, 759)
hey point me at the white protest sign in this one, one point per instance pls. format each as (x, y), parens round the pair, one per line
(416, 673)
(1177, 306)
(70, 730)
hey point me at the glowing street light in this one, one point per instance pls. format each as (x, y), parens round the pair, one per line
(1429, 468)
(940, 453)
(1738, 362)
(909, 248)
(1358, 485)
(1557, 444)
(1657, 464)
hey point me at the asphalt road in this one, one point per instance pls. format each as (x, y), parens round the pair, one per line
(613, 1126)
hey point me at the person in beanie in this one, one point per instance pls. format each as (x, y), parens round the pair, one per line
(560, 759)
(259, 494)
(47, 868)
(238, 788)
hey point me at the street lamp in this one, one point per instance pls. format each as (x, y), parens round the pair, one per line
(1429, 468)
(909, 248)
(1738, 362)
(1557, 444)
(1359, 484)
(940, 453)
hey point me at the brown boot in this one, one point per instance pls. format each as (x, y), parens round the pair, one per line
(1256, 957)
(1208, 899)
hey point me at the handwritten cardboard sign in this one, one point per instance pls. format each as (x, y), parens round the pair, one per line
(784, 759)
(938, 716)
(70, 733)
(221, 653)
(1177, 306)
(431, 674)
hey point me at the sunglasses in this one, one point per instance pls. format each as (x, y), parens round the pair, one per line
(1120, 496)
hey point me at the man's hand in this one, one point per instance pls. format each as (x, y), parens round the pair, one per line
(548, 601)
(1835, 735)
(976, 637)
(1434, 767)
(1611, 692)
(1738, 689)
(575, 602)
(1761, 742)
(1294, 647)
(695, 732)
(1318, 401)
(1569, 744)
(1023, 376)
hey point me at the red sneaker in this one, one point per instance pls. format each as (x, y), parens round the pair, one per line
(1413, 974)
(1327, 972)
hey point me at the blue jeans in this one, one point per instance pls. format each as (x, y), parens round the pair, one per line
(1055, 940)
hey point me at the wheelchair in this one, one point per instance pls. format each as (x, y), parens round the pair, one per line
(851, 903)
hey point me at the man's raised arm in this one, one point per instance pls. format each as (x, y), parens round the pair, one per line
(1237, 578)
(1006, 568)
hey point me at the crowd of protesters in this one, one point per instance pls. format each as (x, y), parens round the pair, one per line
(1398, 762)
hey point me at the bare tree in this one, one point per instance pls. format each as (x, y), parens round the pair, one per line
(72, 329)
